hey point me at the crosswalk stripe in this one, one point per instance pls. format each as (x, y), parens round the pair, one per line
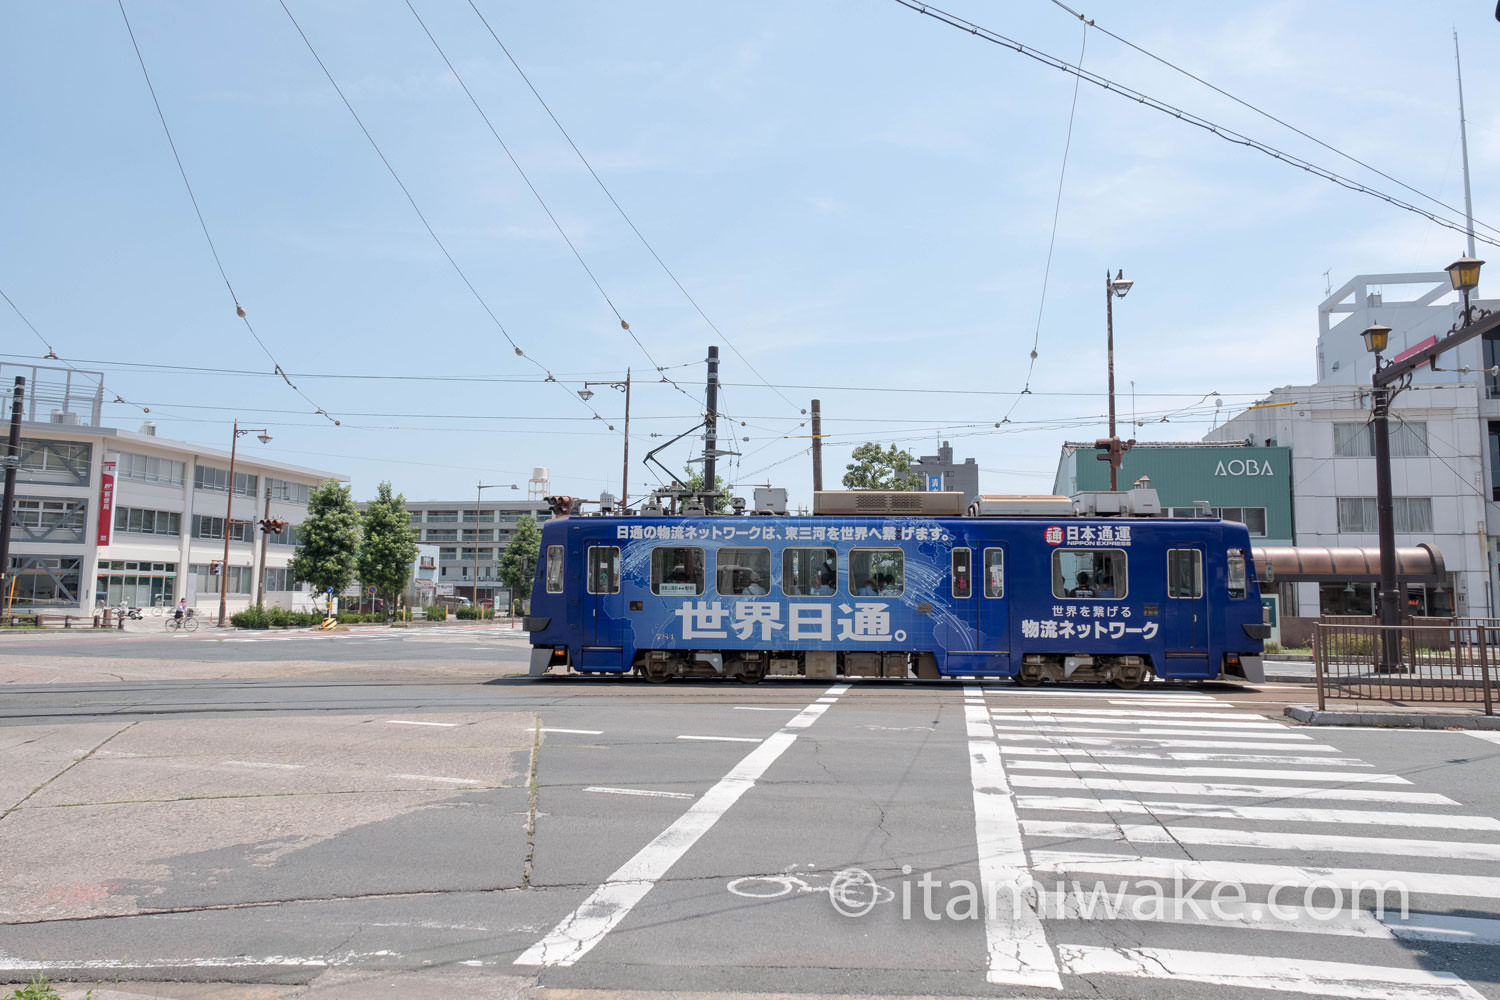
(1230, 790)
(1226, 758)
(1252, 813)
(1277, 774)
(1264, 840)
(1130, 740)
(1257, 972)
(1254, 873)
(1097, 903)
(1274, 732)
(1125, 713)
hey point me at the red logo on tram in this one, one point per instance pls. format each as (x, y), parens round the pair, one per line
(1053, 535)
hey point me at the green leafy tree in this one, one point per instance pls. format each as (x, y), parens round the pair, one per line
(390, 545)
(694, 482)
(328, 541)
(876, 468)
(518, 563)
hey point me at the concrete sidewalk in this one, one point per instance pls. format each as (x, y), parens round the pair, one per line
(1391, 716)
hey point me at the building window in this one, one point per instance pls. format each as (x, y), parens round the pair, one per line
(442, 517)
(298, 493)
(139, 584)
(442, 535)
(482, 535)
(37, 519)
(54, 461)
(138, 521)
(215, 480)
(1411, 515)
(281, 579)
(150, 469)
(448, 553)
(1357, 440)
(205, 526)
(1253, 518)
(208, 582)
(43, 581)
(1494, 459)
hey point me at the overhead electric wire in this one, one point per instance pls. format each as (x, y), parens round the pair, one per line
(52, 355)
(623, 214)
(1090, 22)
(203, 223)
(1036, 337)
(577, 255)
(1221, 131)
(390, 168)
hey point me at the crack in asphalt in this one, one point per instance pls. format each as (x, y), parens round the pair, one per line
(24, 799)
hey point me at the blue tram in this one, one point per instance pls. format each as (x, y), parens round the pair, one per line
(1054, 596)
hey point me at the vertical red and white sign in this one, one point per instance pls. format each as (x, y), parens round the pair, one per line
(106, 502)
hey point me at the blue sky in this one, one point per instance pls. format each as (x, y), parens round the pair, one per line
(858, 197)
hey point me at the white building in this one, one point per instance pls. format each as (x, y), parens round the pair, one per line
(103, 515)
(471, 538)
(1445, 446)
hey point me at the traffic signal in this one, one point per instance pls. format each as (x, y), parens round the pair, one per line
(272, 526)
(215, 567)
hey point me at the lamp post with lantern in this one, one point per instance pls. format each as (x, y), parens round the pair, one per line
(586, 394)
(1388, 379)
(1114, 449)
(264, 437)
(478, 499)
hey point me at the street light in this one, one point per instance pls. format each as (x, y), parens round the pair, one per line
(586, 394)
(1114, 449)
(478, 499)
(1388, 379)
(264, 437)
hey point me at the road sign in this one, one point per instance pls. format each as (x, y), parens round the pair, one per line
(372, 590)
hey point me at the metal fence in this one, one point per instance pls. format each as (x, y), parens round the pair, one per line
(1446, 660)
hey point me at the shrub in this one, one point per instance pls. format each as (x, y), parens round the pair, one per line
(470, 613)
(436, 613)
(1272, 647)
(250, 618)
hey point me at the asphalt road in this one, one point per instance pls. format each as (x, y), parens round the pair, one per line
(306, 810)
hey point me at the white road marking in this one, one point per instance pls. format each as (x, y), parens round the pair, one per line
(723, 739)
(1258, 972)
(1484, 734)
(430, 777)
(1264, 840)
(1276, 774)
(1442, 927)
(766, 708)
(578, 932)
(1157, 696)
(1089, 903)
(1231, 790)
(405, 722)
(1251, 873)
(1131, 713)
(1057, 729)
(641, 791)
(1130, 740)
(1126, 807)
(576, 732)
(257, 763)
(1173, 722)
(1017, 943)
(1226, 758)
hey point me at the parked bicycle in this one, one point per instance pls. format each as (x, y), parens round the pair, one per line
(158, 606)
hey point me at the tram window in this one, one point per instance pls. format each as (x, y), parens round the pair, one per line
(742, 572)
(1094, 574)
(604, 569)
(1234, 561)
(877, 572)
(994, 572)
(1184, 573)
(963, 584)
(809, 572)
(677, 571)
(554, 569)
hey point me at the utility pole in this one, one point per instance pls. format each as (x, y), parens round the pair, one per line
(710, 430)
(817, 447)
(12, 464)
(625, 466)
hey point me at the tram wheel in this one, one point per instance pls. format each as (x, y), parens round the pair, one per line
(1129, 679)
(751, 675)
(657, 673)
(1029, 680)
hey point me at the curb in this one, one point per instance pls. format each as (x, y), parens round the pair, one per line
(1392, 720)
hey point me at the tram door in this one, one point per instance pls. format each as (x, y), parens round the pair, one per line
(1185, 614)
(603, 626)
(994, 609)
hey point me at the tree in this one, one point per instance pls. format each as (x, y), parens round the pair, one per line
(328, 541)
(694, 482)
(390, 545)
(875, 468)
(518, 563)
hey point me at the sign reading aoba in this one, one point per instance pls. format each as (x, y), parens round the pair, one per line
(1244, 467)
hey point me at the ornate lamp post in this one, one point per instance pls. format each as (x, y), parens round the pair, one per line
(1388, 379)
(1113, 447)
(264, 437)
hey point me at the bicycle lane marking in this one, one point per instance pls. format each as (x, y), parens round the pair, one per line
(1019, 954)
(578, 932)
